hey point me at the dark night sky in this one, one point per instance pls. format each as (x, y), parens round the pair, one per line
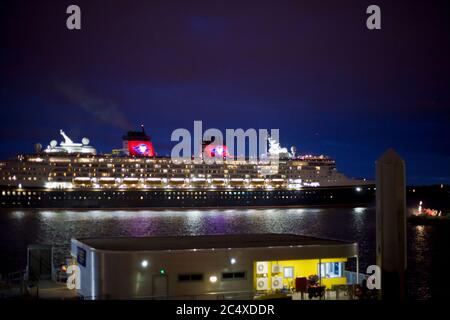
(309, 68)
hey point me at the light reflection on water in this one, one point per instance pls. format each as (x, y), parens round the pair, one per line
(57, 227)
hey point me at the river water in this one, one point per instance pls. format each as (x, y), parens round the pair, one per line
(427, 245)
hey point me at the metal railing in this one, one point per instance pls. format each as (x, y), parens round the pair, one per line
(16, 277)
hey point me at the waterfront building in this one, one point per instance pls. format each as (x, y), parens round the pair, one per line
(208, 266)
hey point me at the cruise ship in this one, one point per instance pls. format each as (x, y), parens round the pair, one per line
(74, 175)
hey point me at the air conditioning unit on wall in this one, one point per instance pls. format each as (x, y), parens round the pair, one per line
(277, 283)
(262, 267)
(262, 284)
(276, 268)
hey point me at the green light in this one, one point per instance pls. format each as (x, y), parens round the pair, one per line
(162, 271)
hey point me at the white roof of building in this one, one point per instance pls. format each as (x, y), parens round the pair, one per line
(263, 240)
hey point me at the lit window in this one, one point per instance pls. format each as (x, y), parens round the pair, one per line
(288, 272)
(331, 270)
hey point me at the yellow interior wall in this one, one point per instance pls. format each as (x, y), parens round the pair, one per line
(303, 268)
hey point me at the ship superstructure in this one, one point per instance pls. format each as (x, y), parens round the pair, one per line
(71, 167)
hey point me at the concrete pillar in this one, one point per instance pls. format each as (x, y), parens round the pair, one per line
(391, 224)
